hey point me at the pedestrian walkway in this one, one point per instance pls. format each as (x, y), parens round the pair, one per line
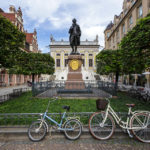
(61, 143)
(8, 90)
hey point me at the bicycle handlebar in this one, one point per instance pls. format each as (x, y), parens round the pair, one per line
(108, 98)
(56, 98)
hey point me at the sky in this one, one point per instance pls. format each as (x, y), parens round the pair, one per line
(55, 17)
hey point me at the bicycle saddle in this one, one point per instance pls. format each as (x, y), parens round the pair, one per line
(66, 107)
(130, 105)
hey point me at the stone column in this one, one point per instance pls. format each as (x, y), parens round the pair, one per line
(86, 60)
(62, 61)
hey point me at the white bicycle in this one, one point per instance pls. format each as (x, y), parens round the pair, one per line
(102, 124)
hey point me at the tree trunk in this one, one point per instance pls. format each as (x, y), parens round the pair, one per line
(33, 84)
(33, 75)
(116, 83)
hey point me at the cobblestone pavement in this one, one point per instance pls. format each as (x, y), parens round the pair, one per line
(84, 143)
(8, 90)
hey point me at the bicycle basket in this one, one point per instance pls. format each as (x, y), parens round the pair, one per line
(101, 104)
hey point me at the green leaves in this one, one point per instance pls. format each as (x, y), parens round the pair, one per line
(35, 63)
(16, 60)
(11, 40)
(108, 61)
(135, 47)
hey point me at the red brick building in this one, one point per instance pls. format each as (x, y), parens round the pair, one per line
(31, 45)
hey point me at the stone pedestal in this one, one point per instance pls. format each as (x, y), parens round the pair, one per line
(74, 77)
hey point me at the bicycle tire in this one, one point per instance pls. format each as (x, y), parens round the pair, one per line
(32, 133)
(98, 132)
(142, 134)
(73, 134)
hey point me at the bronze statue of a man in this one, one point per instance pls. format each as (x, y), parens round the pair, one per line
(74, 38)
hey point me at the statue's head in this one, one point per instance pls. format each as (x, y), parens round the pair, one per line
(74, 20)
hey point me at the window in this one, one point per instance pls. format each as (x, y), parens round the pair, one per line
(58, 62)
(83, 62)
(117, 35)
(90, 54)
(125, 12)
(66, 62)
(10, 77)
(90, 63)
(123, 29)
(58, 54)
(66, 54)
(130, 21)
(18, 78)
(113, 39)
(2, 77)
(108, 34)
(133, 1)
(140, 11)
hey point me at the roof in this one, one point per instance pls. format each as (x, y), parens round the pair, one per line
(60, 43)
(29, 37)
(109, 26)
(1, 10)
(9, 16)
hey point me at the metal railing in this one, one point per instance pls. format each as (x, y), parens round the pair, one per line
(107, 87)
(55, 87)
(15, 93)
(25, 119)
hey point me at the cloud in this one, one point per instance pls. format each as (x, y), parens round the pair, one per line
(56, 15)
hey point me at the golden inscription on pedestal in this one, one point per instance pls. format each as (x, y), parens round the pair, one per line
(74, 64)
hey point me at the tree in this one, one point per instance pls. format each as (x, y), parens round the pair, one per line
(11, 40)
(109, 61)
(135, 47)
(16, 60)
(34, 64)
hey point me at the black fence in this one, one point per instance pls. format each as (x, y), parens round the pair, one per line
(13, 94)
(53, 88)
(25, 119)
(107, 87)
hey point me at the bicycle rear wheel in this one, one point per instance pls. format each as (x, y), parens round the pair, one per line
(73, 129)
(36, 131)
(99, 131)
(140, 124)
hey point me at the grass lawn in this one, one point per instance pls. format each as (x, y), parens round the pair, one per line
(26, 104)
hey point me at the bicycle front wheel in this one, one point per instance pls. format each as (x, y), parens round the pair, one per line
(73, 129)
(98, 130)
(140, 124)
(37, 131)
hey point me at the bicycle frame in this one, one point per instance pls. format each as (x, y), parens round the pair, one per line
(45, 116)
(122, 124)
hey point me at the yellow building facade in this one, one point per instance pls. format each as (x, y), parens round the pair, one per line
(60, 50)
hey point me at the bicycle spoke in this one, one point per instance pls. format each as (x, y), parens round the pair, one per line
(101, 132)
(36, 135)
(141, 120)
(76, 129)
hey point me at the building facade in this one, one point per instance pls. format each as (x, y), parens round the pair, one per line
(60, 50)
(15, 16)
(31, 42)
(133, 10)
(116, 30)
(31, 45)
